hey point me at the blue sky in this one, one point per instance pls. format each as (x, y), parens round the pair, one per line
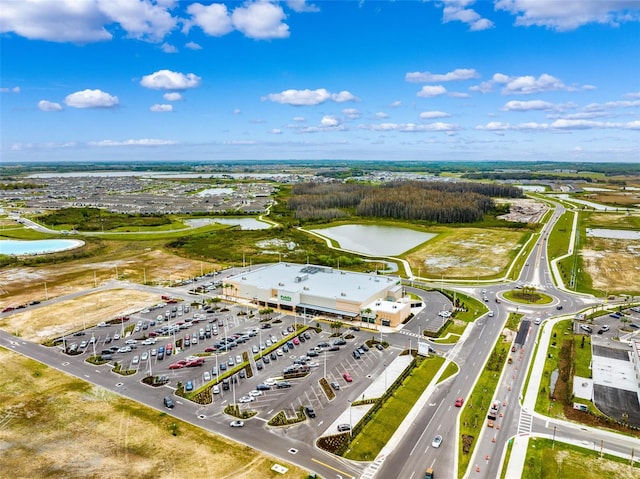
(407, 80)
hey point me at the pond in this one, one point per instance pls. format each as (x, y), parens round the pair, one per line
(375, 240)
(613, 234)
(244, 223)
(17, 248)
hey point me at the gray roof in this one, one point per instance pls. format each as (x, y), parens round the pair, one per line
(315, 280)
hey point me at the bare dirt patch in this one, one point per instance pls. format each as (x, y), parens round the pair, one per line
(25, 284)
(40, 324)
(466, 252)
(523, 210)
(613, 265)
(52, 425)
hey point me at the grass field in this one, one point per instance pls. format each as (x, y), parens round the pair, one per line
(549, 460)
(466, 252)
(53, 425)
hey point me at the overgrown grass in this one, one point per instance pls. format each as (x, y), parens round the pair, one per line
(555, 460)
(373, 437)
(560, 236)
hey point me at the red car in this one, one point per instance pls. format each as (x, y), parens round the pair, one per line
(176, 366)
(459, 402)
(347, 377)
(296, 341)
(7, 309)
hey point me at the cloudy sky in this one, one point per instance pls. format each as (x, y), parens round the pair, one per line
(404, 80)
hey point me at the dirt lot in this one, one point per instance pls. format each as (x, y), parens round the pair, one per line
(25, 284)
(466, 252)
(614, 265)
(52, 425)
(40, 324)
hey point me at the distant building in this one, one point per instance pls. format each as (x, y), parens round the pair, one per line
(634, 355)
(321, 290)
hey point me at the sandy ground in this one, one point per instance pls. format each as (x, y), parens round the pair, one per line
(466, 252)
(614, 265)
(22, 285)
(48, 322)
(52, 425)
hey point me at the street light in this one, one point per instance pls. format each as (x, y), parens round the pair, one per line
(553, 443)
(350, 428)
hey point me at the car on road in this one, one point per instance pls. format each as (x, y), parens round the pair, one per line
(168, 402)
(176, 366)
(605, 327)
(283, 384)
(537, 321)
(559, 307)
(309, 411)
(347, 377)
(459, 402)
(236, 424)
(436, 441)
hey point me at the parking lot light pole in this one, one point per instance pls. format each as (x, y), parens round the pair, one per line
(350, 427)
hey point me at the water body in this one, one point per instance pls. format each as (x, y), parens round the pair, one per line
(613, 234)
(595, 206)
(18, 248)
(375, 240)
(244, 223)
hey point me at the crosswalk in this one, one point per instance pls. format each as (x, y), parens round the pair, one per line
(525, 423)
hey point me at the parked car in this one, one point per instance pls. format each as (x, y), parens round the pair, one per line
(335, 386)
(347, 377)
(188, 386)
(309, 411)
(344, 427)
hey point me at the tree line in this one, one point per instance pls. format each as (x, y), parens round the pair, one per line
(441, 202)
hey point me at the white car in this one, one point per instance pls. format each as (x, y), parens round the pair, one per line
(236, 424)
(135, 360)
(116, 336)
(144, 356)
(154, 352)
(216, 389)
(436, 441)
(244, 399)
(255, 393)
(206, 376)
(279, 352)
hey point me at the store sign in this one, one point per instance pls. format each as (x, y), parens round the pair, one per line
(284, 297)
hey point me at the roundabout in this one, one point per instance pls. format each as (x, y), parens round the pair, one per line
(528, 298)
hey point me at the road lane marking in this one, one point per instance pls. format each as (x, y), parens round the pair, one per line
(333, 468)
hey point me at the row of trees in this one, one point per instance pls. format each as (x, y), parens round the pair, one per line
(441, 202)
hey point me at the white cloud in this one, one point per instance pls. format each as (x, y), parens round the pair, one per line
(457, 11)
(429, 91)
(169, 80)
(329, 121)
(527, 105)
(299, 119)
(569, 15)
(161, 108)
(54, 20)
(308, 97)
(351, 113)
(396, 104)
(237, 111)
(458, 94)
(455, 75)
(141, 19)
(172, 96)
(15, 89)
(412, 127)
(632, 95)
(192, 46)
(560, 125)
(275, 131)
(168, 48)
(430, 115)
(261, 20)
(301, 6)
(46, 105)
(91, 99)
(136, 142)
(523, 85)
(213, 19)
(380, 115)
(612, 105)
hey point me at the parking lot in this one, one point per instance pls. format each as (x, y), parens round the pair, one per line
(193, 346)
